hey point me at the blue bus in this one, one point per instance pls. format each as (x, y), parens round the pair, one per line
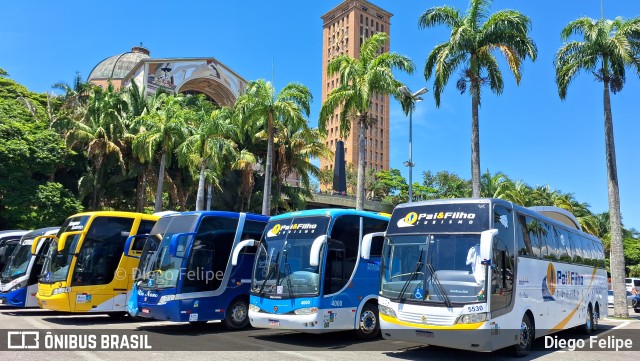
(185, 274)
(308, 274)
(19, 279)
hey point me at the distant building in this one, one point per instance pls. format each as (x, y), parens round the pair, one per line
(345, 27)
(207, 76)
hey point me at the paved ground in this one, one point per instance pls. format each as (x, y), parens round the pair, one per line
(267, 344)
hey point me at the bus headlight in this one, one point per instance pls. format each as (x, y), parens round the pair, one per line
(58, 291)
(306, 311)
(387, 311)
(18, 286)
(473, 318)
(254, 308)
(166, 298)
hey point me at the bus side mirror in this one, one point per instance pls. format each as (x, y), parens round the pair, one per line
(366, 243)
(62, 241)
(36, 241)
(486, 239)
(239, 247)
(314, 254)
(130, 240)
(175, 242)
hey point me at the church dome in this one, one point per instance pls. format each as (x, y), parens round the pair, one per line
(117, 66)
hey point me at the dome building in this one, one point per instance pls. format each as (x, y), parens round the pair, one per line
(207, 76)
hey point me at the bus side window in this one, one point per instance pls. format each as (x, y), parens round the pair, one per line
(373, 225)
(144, 228)
(563, 243)
(524, 240)
(578, 248)
(550, 242)
(503, 258)
(343, 254)
(209, 254)
(252, 230)
(533, 231)
(590, 252)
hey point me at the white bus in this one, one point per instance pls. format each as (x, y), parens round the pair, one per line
(484, 274)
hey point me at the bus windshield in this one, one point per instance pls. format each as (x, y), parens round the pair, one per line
(438, 268)
(18, 264)
(158, 268)
(282, 268)
(56, 265)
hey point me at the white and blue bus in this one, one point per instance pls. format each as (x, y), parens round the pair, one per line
(19, 279)
(484, 274)
(308, 274)
(185, 273)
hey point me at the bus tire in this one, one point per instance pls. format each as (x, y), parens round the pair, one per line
(237, 315)
(526, 337)
(596, 318)
(368, 327)
(588, 327)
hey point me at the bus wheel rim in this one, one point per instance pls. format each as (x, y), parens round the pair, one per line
(239, 313)
(368, 321)
(524, 335)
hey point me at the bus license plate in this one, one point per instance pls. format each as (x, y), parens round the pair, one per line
(145, 310)
(274, 323)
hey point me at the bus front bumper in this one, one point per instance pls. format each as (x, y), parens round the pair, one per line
(481, 337)
(306, 323)
(15, 298)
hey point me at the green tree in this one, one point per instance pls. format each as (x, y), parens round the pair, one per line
(359, 81)
(606, 49)
(261, 104)
(162, 129)
(475, 37)
(99, 133)
(208, 145)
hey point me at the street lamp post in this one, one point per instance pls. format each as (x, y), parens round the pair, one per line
(408, 101)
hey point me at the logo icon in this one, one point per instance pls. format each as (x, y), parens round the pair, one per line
(549, 284)
(274, 231)
(408, 220)
(275, 308)
(23, 340)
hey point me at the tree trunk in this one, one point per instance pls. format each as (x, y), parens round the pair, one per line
(140, 191)
(362, 154)
(209, 195)
(158, 205)
(617, 252)
(200, 194)
(96, 188)
(266, 197)
(475, 140)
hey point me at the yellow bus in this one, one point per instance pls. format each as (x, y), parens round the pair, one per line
(86, 269)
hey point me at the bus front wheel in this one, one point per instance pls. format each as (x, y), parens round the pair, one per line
(237, 316)
(526, 337)
(368, 323)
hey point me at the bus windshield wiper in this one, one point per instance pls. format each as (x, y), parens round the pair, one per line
(287, 275)
(434, 277)
(414, 273)
(272, 267)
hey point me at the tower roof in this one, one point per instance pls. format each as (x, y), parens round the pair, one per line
(117, 66)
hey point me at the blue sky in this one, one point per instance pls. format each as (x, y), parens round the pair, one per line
(527, 133)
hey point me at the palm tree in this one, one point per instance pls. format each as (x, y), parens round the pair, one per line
(261, 103)
(359, 81)
(207, 145)
(475, 38)
(294, 149)
(161, 131)
(607, 47)
(100, 132)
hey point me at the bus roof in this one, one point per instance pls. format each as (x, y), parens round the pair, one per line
(41, 232)
(250, 216)
(549, 213)
(331, 212)
(116, 214)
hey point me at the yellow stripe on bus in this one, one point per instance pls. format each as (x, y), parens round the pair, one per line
(460, 326)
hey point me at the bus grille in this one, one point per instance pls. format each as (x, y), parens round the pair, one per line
(436, 320)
